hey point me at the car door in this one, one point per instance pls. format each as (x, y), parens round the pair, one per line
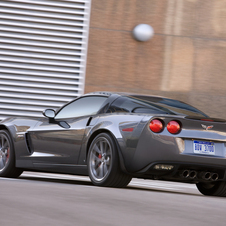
(58, 141)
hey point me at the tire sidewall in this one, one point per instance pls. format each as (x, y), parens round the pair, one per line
(209, 191)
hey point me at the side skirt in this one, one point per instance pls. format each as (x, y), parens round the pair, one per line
(53, 168)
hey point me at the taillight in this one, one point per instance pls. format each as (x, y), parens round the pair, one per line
(156, 126)
(173, 127)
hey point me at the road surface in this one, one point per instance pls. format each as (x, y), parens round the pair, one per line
(54, 199)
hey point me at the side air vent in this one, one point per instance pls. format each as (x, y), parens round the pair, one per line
(29, 144)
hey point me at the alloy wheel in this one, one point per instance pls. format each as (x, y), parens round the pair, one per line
(4, 151)
(100, 159)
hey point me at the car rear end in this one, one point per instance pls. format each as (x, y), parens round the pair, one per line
(181, 148)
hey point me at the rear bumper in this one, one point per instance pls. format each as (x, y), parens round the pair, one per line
(183, 171)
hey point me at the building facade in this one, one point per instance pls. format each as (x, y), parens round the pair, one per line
(53, 51)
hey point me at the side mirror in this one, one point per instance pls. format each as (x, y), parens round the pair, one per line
(49, 113)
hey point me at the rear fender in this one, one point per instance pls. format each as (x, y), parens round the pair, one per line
(126, 141)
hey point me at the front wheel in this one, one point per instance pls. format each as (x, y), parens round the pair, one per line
(7, 156)
(103, 163)
(217, 188)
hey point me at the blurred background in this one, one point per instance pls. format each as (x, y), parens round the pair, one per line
(53, 51)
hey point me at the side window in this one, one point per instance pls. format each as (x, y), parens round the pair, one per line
(124, 104)
(127, 104)
(116, 106)
(82, 107)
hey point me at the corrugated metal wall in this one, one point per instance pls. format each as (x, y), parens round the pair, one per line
(43, 48)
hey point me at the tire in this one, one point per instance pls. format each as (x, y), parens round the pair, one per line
(7, 156)
(212, 188)
(103, 163)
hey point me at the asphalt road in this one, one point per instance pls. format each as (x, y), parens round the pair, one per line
(49, 199)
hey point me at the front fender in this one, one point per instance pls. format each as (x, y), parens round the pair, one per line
(17, 127)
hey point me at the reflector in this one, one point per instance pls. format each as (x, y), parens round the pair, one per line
(127, 130)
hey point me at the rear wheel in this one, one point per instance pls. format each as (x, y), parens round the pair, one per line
(7, 156)
(212, 188)
(103, 163)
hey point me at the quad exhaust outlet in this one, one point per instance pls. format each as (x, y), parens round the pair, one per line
(209, 176)
(192, 174)
(189, 174)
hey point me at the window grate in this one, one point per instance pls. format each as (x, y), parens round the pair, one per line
(43, 47)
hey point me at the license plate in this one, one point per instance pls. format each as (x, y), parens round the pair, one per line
(203, 147)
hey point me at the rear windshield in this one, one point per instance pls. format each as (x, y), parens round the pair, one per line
(153, 105)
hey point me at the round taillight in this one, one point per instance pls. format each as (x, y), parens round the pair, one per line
(156, 126)
(173, 127)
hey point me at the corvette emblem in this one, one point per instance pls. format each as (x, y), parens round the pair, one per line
(206, 127)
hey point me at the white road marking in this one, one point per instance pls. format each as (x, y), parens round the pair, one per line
(55, 176)
(139, 183)
(4, 178)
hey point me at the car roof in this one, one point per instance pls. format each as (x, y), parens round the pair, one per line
(106, 93)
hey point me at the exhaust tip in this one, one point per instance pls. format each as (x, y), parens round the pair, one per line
(214, 176)
(185, 173)
(192, 174)
(207, 176)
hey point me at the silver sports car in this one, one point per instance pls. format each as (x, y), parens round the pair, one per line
(113, 137)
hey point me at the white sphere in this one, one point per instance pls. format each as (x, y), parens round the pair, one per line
(143, 32)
